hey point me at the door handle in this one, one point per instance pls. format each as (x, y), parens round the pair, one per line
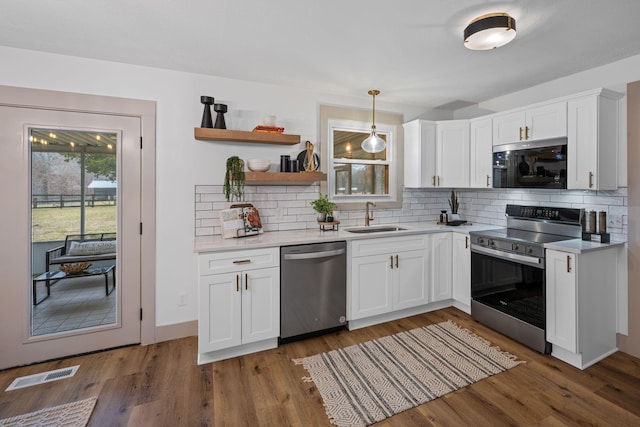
(590, 179)
(246, 281)
(466, 242)
(237, 283)
(396, 261)
(488, 178)
(433, 180)
(242, 261)
(568, 264)
(526, 132)
(313, 255)
(391, 261)
(521, 133)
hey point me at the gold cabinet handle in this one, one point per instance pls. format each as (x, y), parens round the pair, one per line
(590, 179)
(520, 133)
(488, 181)
(438, 176)
(396, 261)
(568, 264)
(246, 281)
(433, 180)
(391, 261)
(466, 242)
(237, 283)
(526, 132)
(242, 261)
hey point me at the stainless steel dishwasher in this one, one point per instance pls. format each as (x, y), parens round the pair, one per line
(313, 289)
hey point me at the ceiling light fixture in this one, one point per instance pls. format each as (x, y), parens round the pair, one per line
(489, 31)
(373, 144)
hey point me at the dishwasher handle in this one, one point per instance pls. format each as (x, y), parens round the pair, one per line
(313, 255)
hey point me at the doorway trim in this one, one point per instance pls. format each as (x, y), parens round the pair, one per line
(146, 111)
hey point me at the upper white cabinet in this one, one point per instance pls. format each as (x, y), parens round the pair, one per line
(481, 153)
(436, 154)
(592, 143)
(452, 154)
(531, 124)
(419, 154)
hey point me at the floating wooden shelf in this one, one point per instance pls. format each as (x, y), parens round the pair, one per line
(285, 178)
(208, 134)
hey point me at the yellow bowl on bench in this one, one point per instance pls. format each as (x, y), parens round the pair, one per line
(75, 268)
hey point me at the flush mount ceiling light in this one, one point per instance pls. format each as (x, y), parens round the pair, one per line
(490, 31)
(373, 144)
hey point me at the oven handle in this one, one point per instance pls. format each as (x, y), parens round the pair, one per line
(535, 261)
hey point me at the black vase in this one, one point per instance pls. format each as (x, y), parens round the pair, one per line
(207, 120)
(220, 109)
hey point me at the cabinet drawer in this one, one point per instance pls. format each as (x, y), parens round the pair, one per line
(386, 245)
(225, 262)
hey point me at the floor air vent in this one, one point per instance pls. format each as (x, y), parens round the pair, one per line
(43, 377)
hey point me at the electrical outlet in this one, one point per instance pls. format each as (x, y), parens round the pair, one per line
(183, 299)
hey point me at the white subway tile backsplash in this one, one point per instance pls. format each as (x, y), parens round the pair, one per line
(288, 207)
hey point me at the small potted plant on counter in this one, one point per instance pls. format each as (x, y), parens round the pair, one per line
(323, 206)
(454, 204)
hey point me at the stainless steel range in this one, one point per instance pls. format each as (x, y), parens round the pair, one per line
(508, 270)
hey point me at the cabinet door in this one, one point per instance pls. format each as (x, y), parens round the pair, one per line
(546, 121)
(452, 154)
(561, 299)
(481, 146)
(410, 279)
(508, 128)
(220, 312)
(440, 263)
(419, 154)
(260, 304)
(461, 269)
(371, 285)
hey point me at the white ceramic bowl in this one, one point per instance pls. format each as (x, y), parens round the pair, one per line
(258, 165)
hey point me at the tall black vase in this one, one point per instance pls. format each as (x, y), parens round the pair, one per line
(207, 120)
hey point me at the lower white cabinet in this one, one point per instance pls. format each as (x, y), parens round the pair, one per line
(581, 305)
(388, 274)
(440, 266)
(239, 305)
(461, 271)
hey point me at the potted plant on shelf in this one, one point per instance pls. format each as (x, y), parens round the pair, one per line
(454, 205)
(234, 179)
(323, 206)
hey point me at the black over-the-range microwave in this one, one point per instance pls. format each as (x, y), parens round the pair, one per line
(539, 164)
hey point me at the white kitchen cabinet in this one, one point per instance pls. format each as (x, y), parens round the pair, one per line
(461, 271)
(239, 309)
(440, 263)
(452, 154)
(419, 154)
(532, 124)
(592, 141)
(481, 153)
(581, 305)
(437, 154)
(388, 274)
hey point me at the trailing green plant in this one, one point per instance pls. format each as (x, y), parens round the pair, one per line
(323, 205)
(453, 202)
(234, 179)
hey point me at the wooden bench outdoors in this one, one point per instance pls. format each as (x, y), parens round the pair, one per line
(83, 248)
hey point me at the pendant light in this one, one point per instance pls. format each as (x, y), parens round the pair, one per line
(489, 31)
(373, 144)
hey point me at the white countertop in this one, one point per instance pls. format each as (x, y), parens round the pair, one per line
(578, 246)
(299, 237)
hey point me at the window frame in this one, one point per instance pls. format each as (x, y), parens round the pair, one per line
(358, 126)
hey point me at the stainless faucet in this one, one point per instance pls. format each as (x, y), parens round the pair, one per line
(368, 218)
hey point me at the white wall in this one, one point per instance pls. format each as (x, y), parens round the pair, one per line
(182, 162)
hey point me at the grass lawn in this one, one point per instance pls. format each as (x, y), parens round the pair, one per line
(56, 223)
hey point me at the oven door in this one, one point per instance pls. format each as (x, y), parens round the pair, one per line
(509, 283)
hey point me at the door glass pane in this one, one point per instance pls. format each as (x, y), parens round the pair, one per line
(361, 179)
(347, 145)
(73, 229)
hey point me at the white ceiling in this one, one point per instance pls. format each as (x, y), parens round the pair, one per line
(411, 50)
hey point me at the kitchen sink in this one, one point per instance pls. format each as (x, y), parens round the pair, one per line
(377, 229)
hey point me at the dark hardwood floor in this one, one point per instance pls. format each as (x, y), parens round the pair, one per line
(161, 385)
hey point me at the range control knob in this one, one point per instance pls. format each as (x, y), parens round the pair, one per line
(528, 250)
(515, 247)
(490, 242)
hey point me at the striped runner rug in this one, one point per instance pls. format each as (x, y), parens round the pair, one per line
(366, 383)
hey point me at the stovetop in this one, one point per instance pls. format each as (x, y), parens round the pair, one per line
(524, 236)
